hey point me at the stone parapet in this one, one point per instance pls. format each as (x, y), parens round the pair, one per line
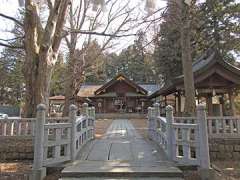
(16, 148)
(224, 149)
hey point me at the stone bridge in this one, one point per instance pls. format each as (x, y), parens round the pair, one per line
(122, 153)
(168, 143)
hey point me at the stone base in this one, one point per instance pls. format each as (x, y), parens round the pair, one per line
(224, 149)
(38, 174)
(16, 148)
(207, 174)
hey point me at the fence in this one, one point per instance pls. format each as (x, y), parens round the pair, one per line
(184, 139)
(224, 127)
(56, 140)
(17, 127)
(60, 140)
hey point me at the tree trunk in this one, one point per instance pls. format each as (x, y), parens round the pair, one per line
(190, 103)
(41, 46)
(69, 83)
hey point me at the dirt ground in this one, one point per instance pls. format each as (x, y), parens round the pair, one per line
(15, 166)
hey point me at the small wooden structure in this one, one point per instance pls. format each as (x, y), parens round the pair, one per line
(56, 104)
(216, 83)
(119, 95)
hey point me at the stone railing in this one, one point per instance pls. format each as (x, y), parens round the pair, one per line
(157, 127)
(184, 139)
(224, 127)
(17, 126)
(59, 140)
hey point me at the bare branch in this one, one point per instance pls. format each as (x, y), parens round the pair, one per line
(100, 33)
(12, 39)
(11, 46)
(11, 18)
(50, 4)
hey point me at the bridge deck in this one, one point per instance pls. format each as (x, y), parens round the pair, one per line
(121, 150)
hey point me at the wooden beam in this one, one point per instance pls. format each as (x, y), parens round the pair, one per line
(232, 104)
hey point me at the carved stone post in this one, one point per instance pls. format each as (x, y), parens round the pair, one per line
(94, 119)
(157, 109)
(203, 137)
(38, 170)
(205, 170)
(150, 127)
(94, 113)
(149, 113)
(170, 133)
(73, 118)
(85, 109)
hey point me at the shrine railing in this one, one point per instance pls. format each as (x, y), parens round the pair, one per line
(17, 126)
(60, 139)
(224, 127)
(184, 139)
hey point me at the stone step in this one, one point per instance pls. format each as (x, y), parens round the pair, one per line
(137, 178)
(121, 169)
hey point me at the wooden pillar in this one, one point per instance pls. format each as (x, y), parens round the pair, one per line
(232, 104)
(165, 100)
(175, 101)
(223, 105)
(179, 103)
(209, 104)
(165, 103)
(103, 106)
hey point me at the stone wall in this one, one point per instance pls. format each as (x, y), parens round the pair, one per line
(16, 148)
(224, 149)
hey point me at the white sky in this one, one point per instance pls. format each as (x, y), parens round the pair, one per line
(10, 7)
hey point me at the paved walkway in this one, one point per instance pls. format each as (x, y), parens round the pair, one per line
(123, 143)
(121, 150)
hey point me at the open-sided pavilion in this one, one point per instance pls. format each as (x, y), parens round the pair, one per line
(216, 82)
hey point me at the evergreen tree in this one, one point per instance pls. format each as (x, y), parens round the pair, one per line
(218, 25)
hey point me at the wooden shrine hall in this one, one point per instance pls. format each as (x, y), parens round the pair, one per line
(119, 95)
(216, 82)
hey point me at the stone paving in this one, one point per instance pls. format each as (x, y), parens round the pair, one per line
(122, 152)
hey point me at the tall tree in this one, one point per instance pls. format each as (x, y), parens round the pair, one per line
(99, 18)
(41, 46)
(58, 76)
(11, 63)
(217, 25)
(41, 43)
(189, 89)
(135, 61)
(167, 51)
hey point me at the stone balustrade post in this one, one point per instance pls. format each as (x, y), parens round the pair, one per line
(93, 112)
(170, 133)
(149, 113)
(157, 109)
(85, 109)
(73, 118)
(39, 172)
(203, 137)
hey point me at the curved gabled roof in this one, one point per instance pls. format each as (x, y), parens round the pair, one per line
(201, 67)
(121, 77)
